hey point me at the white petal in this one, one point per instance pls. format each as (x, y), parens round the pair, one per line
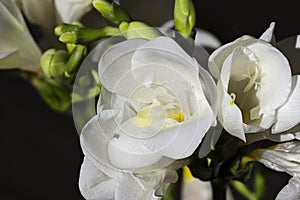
(283, 157)
(291, 191)
(230, 115)
(206, 39)
(15, 37)
(291, 134)
(273, 67)
(196, 190)
(94, 184)
(44, 15)
(268, 34)
(131, 187)
(218, 57)
(210, 90)
(181, 140)
(114, 68)
(94, 142)
(125, 152)
(72, 10)
(158, 180)
(161, 60)
(210, 139)
(288, 115)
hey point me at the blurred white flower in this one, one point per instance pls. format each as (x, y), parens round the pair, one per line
(46, 14)
(284, 157)
(18, 49)
(72, 10)
(152, 111)
(193, 188)
(257, 91)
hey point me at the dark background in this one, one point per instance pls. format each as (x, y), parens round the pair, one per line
(40, 155)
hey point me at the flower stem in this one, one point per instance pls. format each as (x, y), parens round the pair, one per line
(219, 189)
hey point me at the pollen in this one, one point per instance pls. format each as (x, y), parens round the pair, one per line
(233, 97)
(179, 117)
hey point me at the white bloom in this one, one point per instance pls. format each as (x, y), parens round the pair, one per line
(72, 10)
(152, 111)
(195, 189)
(257, 91)
(18, 49)
(284, 157)
(51, 12)
(47, 14)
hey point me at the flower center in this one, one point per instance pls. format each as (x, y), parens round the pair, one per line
(252, 81)
(165, 107)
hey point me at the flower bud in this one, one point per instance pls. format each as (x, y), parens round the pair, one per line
(75, 59)
(84, 35)
(184, 16)
(53, 62)
(63, 28)
(111, 11)
(138, 30)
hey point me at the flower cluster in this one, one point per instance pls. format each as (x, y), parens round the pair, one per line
(149, 101)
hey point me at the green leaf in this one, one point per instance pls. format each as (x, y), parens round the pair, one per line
(259, 184)
(243, 190)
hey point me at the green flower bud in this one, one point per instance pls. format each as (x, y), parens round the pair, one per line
(45, 61)
(184, 16)
(111, 11)
(138, 30)
(53, 62)
(63, 28)
(75, 60)
(84, 35)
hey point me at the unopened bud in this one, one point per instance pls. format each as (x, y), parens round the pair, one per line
(184, 16)
(111, 11)
(138, 30)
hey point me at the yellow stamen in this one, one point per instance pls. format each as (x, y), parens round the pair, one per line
(187, 175)
(179, 117)
(233, 97)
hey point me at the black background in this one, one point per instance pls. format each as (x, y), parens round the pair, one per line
(40, 155)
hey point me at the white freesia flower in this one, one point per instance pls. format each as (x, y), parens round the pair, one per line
(255, 85)
(18, 49)
(72, 10)
(47, 14)
(193, 188)
(152, 111)
(284, 157)
(54, 11)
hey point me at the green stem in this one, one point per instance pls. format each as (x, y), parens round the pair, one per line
(219, 189)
